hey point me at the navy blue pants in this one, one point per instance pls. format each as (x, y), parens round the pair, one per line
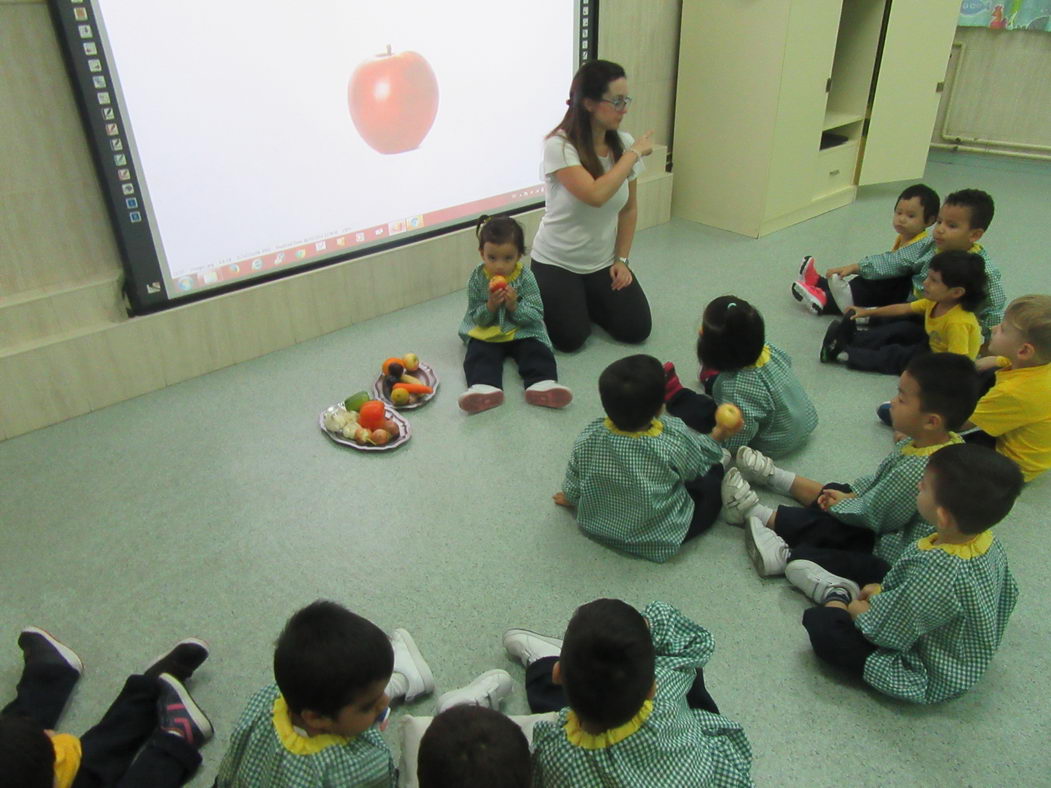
(128, 727)
(484, 362)
(836, 640)
(887, 348)
(809, 526)
(696, 410)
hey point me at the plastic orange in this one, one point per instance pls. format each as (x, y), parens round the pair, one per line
(372, 414)
(388, 362)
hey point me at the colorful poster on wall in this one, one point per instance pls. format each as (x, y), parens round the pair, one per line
(1006, 14)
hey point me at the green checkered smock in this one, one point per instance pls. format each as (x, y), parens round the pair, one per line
(914, 259)
(258, 757)
(939, 619)
(778, 414)
(886, 500)
(527, 321)
(628, 487)
(675, 746)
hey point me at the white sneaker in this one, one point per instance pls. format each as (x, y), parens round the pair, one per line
(754, 466)
(841, 292)
(768, 551)
(738, 497)
(727, 460)
(818, 583)
(409, 662)
(527, 646)
(487, 691)
(480, 397)
(548, 394)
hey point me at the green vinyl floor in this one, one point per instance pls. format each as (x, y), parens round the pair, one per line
(216, 508)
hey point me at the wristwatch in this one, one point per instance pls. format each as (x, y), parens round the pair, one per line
(622, 260)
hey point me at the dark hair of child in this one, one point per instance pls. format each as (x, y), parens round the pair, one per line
(473, 747)
(27, 757)
(963, 269)
(948, 384)
(975, 484)
(928, 199)
(607, 662)
(590, 82)
(732, 334)
(327, 656)
(499, 230)
(979, 203)
(632, 391)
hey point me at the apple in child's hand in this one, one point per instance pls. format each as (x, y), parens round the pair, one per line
(728, 416)
(497, 283)
(393, 100)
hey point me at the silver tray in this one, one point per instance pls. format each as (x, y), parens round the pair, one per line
(404, 430)
(427, 376)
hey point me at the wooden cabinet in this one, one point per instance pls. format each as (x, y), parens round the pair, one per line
(784, 107)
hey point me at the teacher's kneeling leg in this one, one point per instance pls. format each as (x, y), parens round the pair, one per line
(565, 305)
(624, 313)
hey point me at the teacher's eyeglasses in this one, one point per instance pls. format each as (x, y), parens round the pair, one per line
(620, 103)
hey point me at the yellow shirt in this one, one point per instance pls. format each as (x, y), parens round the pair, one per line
(1017, 412)
(67, 758)
(901, 240)
(956, 331)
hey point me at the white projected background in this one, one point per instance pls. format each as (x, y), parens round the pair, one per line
(240, 126)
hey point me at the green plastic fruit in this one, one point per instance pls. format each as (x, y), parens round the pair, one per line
(355, 401)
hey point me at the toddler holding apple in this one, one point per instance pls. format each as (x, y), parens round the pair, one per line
(740, 366)
(505, 317)
(641, 481)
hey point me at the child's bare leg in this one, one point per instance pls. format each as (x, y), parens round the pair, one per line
(805, 490)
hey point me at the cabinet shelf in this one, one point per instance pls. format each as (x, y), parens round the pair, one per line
(834, 119)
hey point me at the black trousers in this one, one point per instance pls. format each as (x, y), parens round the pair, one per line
(870, 292)
(573, 301)
(696, 410)
(809, 526)
(544, 695)
(109, 748)
(836, 640)
(887, 348)
(861, 567)
(706, 492)
(484, 362)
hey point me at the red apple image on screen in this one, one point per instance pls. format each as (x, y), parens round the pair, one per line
(393, 100)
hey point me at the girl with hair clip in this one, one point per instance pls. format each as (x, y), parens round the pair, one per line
(739, 366)
(505, 317)
(580, 253)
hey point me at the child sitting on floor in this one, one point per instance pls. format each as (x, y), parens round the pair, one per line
(926, 628)
(473, 746)
(641, 482)
(739, 366)
(962, 221)
(150, 736)
(639, 713)
(915, 211)
(873, 513)
(953, 289)
(336, 674)
(505, 317)
(1015, 414)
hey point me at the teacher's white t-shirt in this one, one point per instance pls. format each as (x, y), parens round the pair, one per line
(573, 234)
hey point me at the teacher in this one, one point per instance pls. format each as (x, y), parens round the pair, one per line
(581, 251)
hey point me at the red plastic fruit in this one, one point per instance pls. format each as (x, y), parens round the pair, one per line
(372, 414)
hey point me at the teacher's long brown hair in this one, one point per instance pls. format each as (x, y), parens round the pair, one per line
(590, 82)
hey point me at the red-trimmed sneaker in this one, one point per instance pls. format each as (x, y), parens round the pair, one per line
(480, 397)
(808, 274)
(811, 297)
(548, 394)
(179, 714)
